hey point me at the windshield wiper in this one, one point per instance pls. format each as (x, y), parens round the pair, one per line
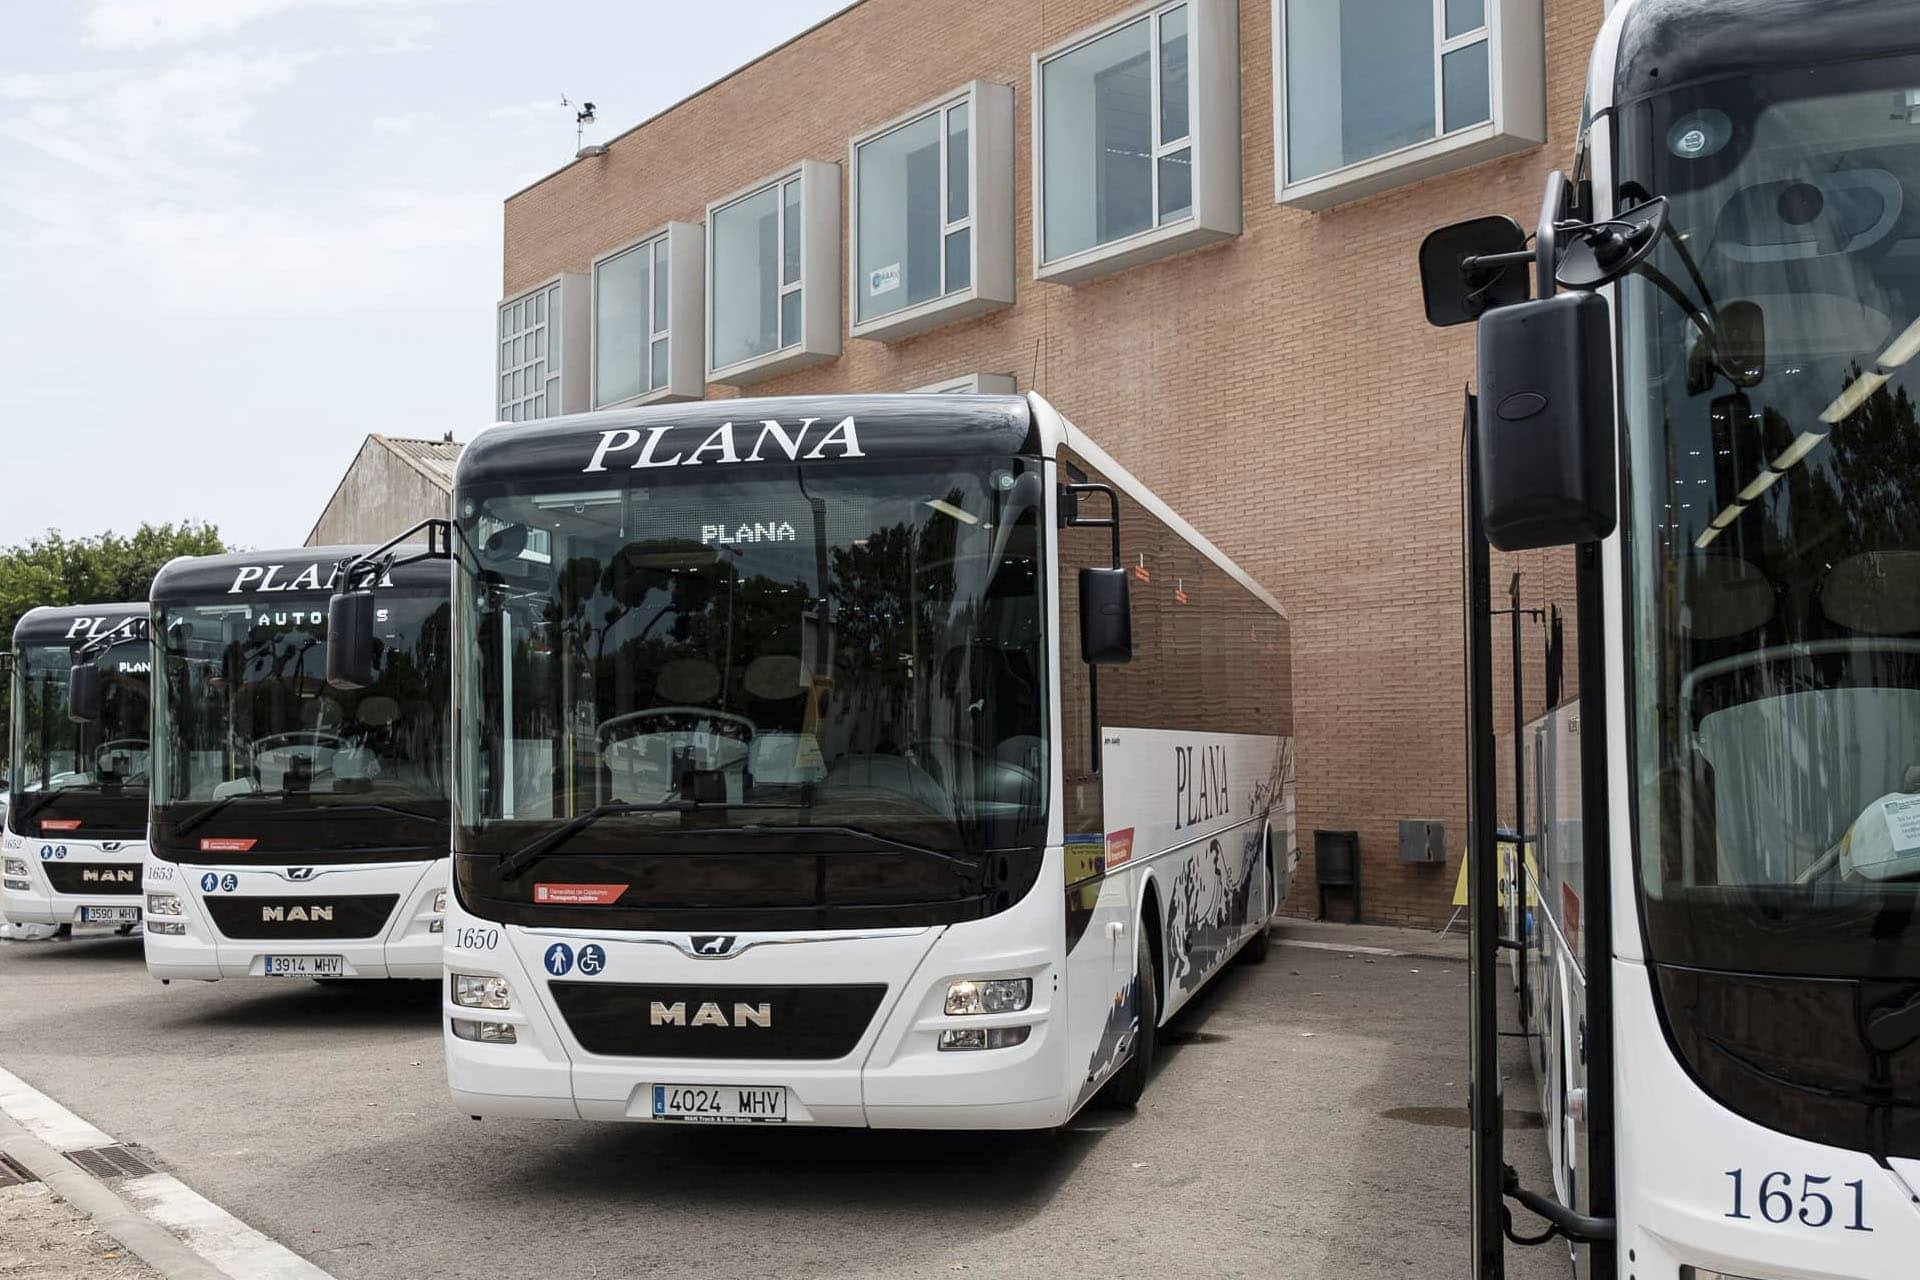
(512, 864)
(324, 810)
(29, 807)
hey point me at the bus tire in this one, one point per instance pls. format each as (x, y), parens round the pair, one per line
(1130, 1081)
(1255, 952)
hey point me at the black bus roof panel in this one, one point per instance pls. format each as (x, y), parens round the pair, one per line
(310, 572)
(619, 442)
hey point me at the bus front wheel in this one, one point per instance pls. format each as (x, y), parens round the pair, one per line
(1131, 1080)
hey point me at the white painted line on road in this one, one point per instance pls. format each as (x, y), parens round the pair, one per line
(220, 1239)
(1347, 947)
(215, 1234)
(46, 1119)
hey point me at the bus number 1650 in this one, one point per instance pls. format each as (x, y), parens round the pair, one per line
(1815, 1208)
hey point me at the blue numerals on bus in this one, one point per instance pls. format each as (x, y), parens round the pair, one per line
(1814, 1207)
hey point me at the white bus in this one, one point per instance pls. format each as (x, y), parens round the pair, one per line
(76, 827)
(298, 829)
(885, 761)
(1707, 443)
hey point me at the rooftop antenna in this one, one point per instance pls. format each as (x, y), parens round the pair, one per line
(581, 119)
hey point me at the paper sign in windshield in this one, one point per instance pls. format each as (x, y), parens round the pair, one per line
(575, 895)
(1903, 822)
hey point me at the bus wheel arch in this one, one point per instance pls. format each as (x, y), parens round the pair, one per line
(1130, 1081)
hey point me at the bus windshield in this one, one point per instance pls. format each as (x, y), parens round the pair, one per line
(87, 779)
(1770, 386)
(259, 755)
(853, 646)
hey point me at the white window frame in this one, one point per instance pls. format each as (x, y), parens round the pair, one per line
(989, 219)
(819, 282)
(568, 320)
(970, 384)
(1516, 99)
(1213, 133)
(686, 298)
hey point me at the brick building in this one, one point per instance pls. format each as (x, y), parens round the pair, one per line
(1222, 290)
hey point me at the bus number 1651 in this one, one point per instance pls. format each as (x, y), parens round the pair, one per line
(1815, 1208)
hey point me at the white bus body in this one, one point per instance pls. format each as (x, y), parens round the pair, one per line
(299, 830)
(1183, 841)
(75, 827)
(1720, 988)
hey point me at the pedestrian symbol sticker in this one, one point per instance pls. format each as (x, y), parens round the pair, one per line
(209, 882)
(229, 882)
(560, 959)
(592, 959)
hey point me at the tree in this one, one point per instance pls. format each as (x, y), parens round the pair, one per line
(103, 569)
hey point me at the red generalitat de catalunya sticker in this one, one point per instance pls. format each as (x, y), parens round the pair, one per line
(59, 824)
(594, 895)
(1119, 847)
(226, 844)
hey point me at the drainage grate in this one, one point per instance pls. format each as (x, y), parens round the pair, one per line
(111, 1162)
(13, 1174)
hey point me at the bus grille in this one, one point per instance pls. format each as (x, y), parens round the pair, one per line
(629, 1020)
(276, 918)
(92, 878)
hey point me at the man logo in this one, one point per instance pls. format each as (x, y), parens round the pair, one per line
(712, 944)
(295, 915)
(710, 1014)
(107, 875)
(299, 873)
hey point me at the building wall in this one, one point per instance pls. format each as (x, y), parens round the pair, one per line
(381, 496)
(1282, 389)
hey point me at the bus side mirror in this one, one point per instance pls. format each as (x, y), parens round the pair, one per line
(1543, 438)
(1106, 617)
(350, 639)
(83, 692)
(1457, 282)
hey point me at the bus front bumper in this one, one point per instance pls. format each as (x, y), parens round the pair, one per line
(893, 1074)
(183, 940)
(28, 894)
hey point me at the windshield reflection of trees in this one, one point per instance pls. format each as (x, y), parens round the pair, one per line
(1804, 671)
(254, 715)
(906, 690)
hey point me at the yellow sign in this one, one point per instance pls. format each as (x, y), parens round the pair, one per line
(1506, 868)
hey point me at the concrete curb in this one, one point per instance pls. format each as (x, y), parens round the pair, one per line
(151, 1242)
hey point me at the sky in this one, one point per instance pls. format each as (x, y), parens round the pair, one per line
(237, 236)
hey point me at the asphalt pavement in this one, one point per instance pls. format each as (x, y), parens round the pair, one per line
(1307, 1120)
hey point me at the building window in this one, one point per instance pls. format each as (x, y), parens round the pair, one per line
(1373, 94)
(643, 293)
(1137, 140)
(773, 269)
(539, 373)
(932, 227)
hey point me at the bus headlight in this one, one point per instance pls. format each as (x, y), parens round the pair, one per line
(989, 995)
(984, 1037)
(440, 902)
(16, 867)
(472, 991)
(171, 928)
(484, 1032)
(163, 904)
(19, 886)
